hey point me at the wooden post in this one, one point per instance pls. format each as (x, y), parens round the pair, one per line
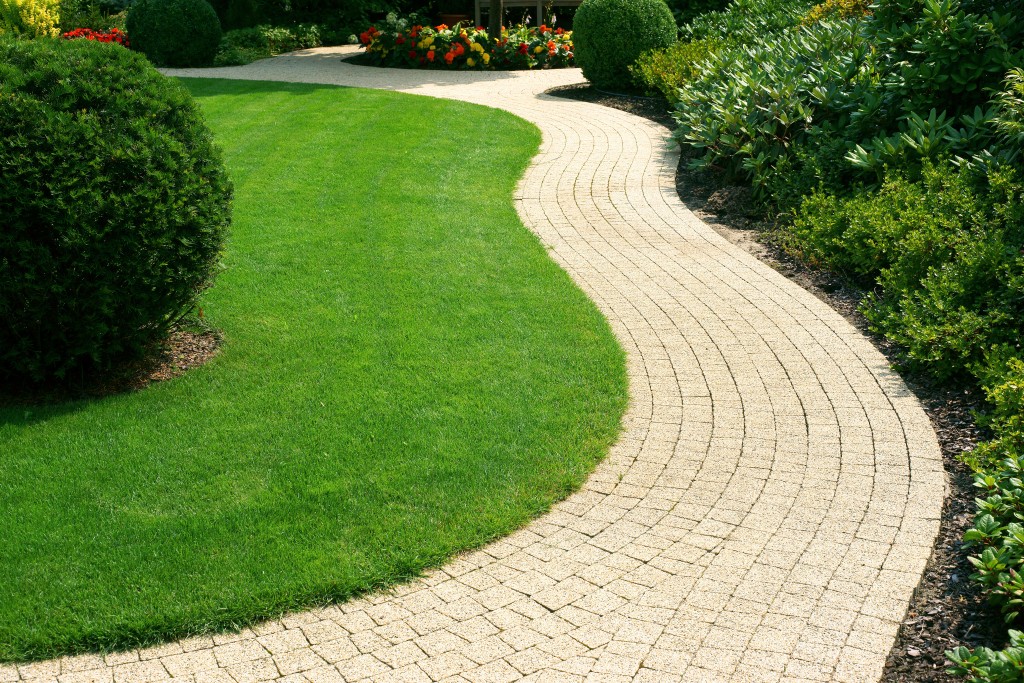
(494, 20)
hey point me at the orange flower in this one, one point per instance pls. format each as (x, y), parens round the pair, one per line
(430, 55)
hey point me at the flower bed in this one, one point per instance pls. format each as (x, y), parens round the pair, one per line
(405, 43)
(112, 36)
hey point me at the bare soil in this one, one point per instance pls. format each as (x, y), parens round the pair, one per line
(948, 609)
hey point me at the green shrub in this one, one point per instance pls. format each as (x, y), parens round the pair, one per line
(1002, 377)
(115, 206)
(781, 92)
(1009, 115)
(176, 33)
(98, 15)
(997, 537)
(945, 253)
(686, 11)
(91, 17)
(911, 82)
(246, 45)
(989, 666)
(816, 163)
(666, 70)
(611, 34)
(746, 21)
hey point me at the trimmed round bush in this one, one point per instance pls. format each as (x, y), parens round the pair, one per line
(175, 33)
(609, 36)
(115, 201)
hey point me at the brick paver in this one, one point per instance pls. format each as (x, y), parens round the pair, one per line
(764, 517)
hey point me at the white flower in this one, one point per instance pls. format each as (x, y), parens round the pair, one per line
(353, 39)
(402, 23)
(391, 18)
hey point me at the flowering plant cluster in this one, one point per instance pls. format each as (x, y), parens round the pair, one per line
(114, 35)
(407, 43)
(523, 47)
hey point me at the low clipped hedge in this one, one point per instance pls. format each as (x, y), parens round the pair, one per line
(116, 205)
(175, 33)
(610, 35)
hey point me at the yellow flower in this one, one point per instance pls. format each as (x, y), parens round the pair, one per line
(487, 58)
(537, 50)
(471, 62)
(477, 46)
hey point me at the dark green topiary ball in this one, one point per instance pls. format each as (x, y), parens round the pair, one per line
(609, 35)
(176, 33)
(115, 206)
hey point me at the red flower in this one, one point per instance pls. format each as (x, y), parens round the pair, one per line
(430, 55)
(364, 38)
(412, 54)
(523, 48)
(112, 36)
(400, 40)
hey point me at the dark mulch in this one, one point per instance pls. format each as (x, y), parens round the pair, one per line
(652, 108)
(948, 609)
(187, 347)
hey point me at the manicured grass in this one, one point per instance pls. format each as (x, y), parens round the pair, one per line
(406, 374)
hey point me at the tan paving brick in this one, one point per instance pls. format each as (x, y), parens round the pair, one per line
(140, 672)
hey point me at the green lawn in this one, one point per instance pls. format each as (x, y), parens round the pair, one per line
(406, 374)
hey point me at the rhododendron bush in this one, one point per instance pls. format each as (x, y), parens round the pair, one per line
(406, 43)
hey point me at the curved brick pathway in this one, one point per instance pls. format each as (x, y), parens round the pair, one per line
(766, 515)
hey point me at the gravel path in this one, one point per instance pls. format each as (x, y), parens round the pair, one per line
(765, 516)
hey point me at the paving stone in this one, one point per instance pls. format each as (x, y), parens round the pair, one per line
(140, 672)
